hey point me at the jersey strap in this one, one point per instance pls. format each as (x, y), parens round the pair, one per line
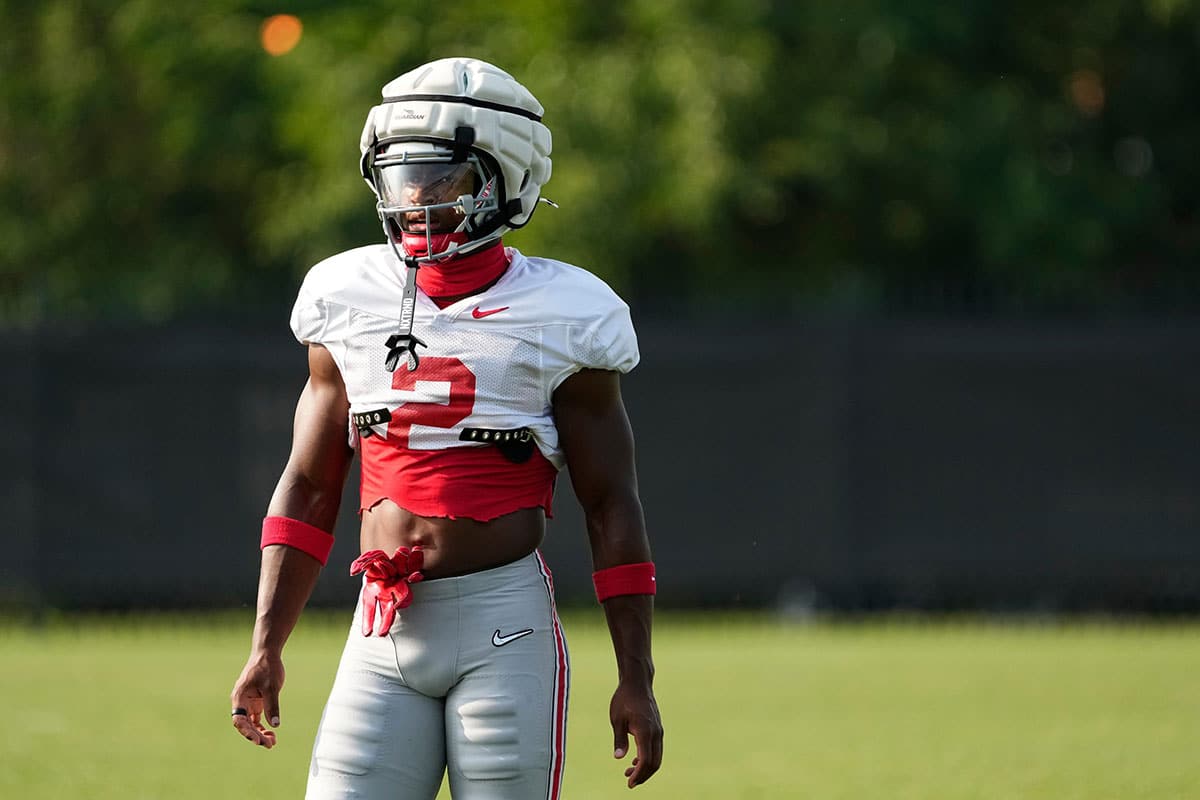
(515, 444)
(363, 420)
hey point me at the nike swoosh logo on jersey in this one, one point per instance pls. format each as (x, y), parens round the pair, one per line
(500, 641)
(478, 314)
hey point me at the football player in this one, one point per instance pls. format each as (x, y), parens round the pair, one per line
(465, 375)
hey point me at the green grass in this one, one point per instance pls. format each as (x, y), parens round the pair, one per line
(109, 708)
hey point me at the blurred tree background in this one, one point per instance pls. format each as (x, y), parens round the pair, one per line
(869, 156)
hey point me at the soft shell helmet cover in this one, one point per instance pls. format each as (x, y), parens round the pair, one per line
(461, 106)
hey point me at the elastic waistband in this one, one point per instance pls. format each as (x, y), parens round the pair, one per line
(488, 580)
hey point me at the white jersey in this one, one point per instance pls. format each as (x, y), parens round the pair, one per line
(492, 360)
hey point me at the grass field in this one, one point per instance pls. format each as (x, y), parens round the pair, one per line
(753, 708)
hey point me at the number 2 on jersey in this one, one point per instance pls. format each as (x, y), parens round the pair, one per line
(432, 414)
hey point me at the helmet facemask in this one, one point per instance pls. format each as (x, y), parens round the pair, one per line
(442, 115)
(433, 202)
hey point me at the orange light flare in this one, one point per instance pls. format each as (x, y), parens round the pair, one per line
(280, 33)
(1086, 90)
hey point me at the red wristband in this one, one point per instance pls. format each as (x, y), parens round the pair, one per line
(300, 535)
(624, 579)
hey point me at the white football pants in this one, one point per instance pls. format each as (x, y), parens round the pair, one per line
(472, 678)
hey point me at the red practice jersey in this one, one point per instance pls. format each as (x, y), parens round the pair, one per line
(489, 371)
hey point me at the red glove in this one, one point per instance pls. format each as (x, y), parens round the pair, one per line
(387, 584)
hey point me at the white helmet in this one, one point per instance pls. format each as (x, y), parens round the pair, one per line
(438, 123)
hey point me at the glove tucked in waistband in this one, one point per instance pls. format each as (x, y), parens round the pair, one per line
(387, 584)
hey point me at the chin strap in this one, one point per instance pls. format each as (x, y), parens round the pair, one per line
(404, 342)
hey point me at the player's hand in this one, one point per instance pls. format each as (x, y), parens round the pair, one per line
(634, 711)
(256, 693)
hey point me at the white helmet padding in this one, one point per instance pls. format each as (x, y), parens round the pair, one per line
(461, 104)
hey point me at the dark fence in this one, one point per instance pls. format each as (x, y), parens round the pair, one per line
(927, 465)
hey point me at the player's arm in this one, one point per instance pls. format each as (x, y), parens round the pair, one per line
(309, 492)
(598, 443)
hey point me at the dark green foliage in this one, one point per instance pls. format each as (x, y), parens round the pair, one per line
(867, 155)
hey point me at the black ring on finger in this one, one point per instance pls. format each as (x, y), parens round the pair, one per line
(239, 712)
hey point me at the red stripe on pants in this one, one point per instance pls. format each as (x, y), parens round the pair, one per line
(558, 733)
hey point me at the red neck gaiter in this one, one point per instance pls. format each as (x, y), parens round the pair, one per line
(458, 276)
